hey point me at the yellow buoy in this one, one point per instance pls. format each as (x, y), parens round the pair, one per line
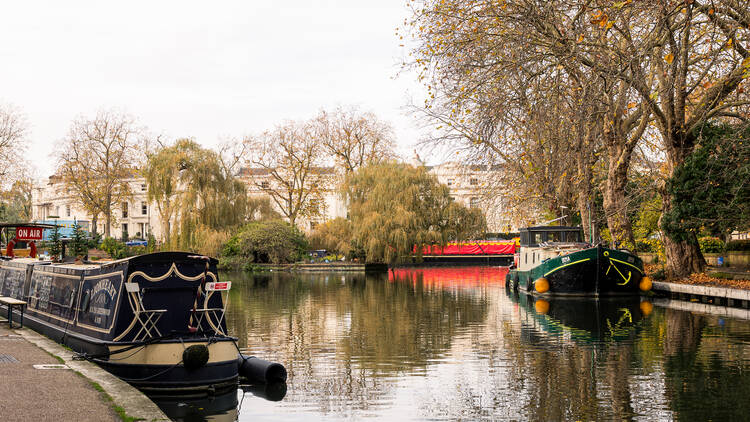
(646, 307)
(541, 306)
(645, 284)
(541, 285)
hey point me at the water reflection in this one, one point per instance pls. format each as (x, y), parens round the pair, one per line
(453, 344)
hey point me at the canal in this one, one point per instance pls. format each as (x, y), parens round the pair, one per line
(452, 343)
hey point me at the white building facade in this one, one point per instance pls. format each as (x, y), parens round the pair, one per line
(472, 186)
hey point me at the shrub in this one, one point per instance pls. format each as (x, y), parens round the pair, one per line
(711, 244)
(115, 248)
(274, 241)
(738, 245)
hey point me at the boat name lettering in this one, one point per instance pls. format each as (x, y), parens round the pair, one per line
(97, 310)
(104, 285)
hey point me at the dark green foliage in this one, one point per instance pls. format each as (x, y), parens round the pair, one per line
(115, 248)
(78, 245)
(710, 189)
(125, 236)
(55, 247)
(738, 245)
(273, 241)
(649, 245)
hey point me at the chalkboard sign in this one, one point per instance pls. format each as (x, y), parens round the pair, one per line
(14, 279)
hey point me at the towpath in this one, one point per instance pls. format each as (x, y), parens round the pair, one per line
(81, 391)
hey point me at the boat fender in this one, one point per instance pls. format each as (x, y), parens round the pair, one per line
(645, 284)
(541, 285)
(259, 370)
(195, 356)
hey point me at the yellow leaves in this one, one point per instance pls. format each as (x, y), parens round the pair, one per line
(711, 11)
(580, 38)
(729, 43)
(669, 58)
(631, 105)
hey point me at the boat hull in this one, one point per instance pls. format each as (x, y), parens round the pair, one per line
(589, 272)
(156, 367)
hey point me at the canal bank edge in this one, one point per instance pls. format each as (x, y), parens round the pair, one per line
(718, 295)
(127, 401)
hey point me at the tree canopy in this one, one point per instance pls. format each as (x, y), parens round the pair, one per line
(394, 207)
(96, 161)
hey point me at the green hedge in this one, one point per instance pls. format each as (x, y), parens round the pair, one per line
(738, 245)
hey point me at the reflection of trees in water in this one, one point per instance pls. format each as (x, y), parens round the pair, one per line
(706, 367)
(343, 336)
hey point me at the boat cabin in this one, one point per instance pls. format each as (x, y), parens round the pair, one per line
(544, 242)
(19, 239)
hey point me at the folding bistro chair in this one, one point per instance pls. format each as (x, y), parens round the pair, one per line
(214, 314)
(146, 317)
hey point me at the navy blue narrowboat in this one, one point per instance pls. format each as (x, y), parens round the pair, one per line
(155, 320)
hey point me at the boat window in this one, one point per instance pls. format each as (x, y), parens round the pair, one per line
(533, 257)
(539, 238)
(86, 301)
(555, 237)
(526, 258)
(573, 237)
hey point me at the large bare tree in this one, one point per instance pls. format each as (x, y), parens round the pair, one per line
(354, 138)
(290, 160)
(13, 129)
(673, 64)
(96, 159)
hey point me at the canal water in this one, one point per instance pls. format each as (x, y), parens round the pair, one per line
(452, 343)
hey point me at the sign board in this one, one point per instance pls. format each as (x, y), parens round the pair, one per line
(223, 285)
(29, 233)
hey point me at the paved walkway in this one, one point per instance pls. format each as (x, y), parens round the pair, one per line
(31, 394)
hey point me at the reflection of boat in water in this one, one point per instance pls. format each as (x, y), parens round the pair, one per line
(553, 260)
(447, 277)
(584, 319)
(222, 407)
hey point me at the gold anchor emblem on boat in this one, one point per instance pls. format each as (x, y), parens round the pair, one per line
(612, 265)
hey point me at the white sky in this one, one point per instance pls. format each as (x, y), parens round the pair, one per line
(209, 70)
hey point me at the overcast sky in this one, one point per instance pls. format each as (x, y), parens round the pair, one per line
(209, 70)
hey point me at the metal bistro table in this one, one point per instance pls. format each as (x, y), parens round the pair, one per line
(13, 303)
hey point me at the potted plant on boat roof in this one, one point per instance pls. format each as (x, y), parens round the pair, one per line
(79, 247)
(55, 247)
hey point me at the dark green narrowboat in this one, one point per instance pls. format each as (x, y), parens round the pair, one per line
(553, 260)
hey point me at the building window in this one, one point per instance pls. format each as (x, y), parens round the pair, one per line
(143, 187)
(124, 210)
(264, 185)
(67, 210)
(124, 231)
(474, 202)
(144, 208)
(473, 181)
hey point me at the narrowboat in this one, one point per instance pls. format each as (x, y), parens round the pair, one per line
(154, 320)
(554, 260)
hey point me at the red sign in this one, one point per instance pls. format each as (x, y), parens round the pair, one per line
(226, 285)
(29, 233)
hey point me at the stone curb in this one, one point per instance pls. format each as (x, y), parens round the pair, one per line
(134, 403)
(711, 291)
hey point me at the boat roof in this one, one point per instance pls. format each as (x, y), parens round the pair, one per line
(39, 225)
(551, 228)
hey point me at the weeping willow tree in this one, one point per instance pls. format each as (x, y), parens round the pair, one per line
(198, 198)
(395, 207)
